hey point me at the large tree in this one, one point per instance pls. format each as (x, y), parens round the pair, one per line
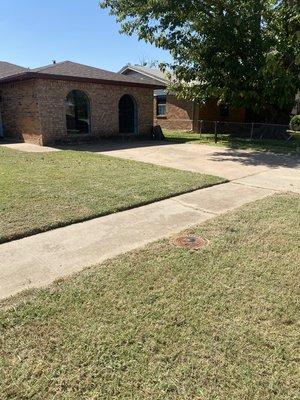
(241, 52)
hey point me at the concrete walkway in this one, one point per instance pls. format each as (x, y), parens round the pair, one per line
(38, 260)
(29, 147)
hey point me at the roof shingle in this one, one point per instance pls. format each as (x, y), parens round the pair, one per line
(8, 69)
(69, 70)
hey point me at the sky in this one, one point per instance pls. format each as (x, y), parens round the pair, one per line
(33, 33)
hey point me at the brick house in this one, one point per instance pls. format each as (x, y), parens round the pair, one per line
(68, 101)
(173, 113)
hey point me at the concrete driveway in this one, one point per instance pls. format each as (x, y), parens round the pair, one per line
(254, 168)
(38, 260)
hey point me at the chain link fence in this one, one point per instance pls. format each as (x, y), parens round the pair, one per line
(252, 131)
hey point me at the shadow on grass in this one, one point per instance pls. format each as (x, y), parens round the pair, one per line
(265, 145)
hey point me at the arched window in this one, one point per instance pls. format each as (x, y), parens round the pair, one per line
(128, 115)
(78, 112)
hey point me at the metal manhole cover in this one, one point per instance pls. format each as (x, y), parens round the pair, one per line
(190, 242)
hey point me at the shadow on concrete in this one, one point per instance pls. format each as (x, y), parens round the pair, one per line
(110, 146)
(241, 156)
(256, 158)
(180, 155)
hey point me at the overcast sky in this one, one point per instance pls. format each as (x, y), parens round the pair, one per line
(35, 32)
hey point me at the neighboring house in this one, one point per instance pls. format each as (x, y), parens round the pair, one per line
(66, 101)
(173, 113)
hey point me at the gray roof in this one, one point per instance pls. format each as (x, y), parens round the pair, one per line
(152, 73)
(8, 69)
(69, 68)
(73, 71)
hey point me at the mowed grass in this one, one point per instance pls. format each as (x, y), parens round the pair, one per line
(43, 191)
(164, 323)
(275, 146)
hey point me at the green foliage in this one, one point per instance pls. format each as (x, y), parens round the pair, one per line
(295, 123)
(241, 52)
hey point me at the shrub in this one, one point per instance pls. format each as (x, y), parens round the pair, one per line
(295, 123)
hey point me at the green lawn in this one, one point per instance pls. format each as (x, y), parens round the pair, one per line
(275, 146)
(164, 323)
(43, 191)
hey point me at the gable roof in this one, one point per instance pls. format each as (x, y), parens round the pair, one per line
(68, 70)
(7, 69)
(146, 73)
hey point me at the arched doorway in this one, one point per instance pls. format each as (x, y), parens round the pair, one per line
(78, 113)
(128, 115)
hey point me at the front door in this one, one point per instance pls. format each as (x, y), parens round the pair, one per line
(127, 115)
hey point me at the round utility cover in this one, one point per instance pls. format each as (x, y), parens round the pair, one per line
(190, 242)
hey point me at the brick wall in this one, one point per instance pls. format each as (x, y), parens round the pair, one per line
(20, 114)
(35, 111)
(179, 114)
(104, 101)
(184, 115)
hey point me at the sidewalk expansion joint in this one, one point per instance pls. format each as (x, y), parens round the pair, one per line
(248, 175)
(258, 187)
(194, 208)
